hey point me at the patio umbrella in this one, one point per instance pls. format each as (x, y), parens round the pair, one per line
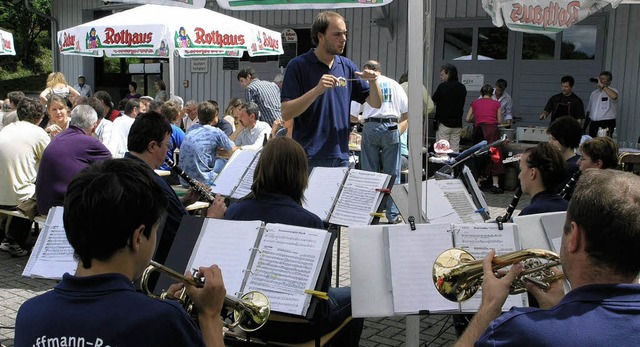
(6, 43)
(156, 31)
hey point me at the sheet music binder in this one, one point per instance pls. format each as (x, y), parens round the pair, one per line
(190, 231)
(344, 196)
(236, 177)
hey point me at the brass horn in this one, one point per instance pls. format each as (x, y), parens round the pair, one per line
(458, 276)
(250, 312)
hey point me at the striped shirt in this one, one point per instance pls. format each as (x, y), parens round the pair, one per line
(267, 96)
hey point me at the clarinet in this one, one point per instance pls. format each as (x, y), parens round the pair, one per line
(568, 188)
(512, 206)
(207, 195)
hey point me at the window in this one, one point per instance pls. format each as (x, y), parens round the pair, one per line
(538, 46)
(458, 43)
(493, 43)
(579, 42)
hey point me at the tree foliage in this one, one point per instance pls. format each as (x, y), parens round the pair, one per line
(30, 33)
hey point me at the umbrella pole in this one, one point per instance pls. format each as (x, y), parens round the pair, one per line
(172, 74)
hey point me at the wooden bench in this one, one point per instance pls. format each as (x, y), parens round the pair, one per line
(40, 219)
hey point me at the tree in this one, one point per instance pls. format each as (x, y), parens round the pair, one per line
(29, 30)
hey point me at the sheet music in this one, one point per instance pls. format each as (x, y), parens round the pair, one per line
(359, 198)
(230, 176)
(438, 208)
(455, 191)
(244, 187)
(478, 239)
(52, 255)
(228, 244)
(324, 185)
(288, 261)
(412, 254)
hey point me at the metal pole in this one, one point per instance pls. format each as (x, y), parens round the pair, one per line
(415, 53)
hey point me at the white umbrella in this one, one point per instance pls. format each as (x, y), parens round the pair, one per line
(158, 31)
(7, 46)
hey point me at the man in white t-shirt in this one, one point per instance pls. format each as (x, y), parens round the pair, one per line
(123, 124)
(603, 104)
(380, 147)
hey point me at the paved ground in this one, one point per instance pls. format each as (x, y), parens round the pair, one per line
(435, 330)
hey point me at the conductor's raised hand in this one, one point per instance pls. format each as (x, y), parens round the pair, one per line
(367, 74)
(326, 82)
(209, 299)
(496, 290)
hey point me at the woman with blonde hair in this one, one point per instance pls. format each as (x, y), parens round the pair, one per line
(232, 112)
(57, 85)
(57, 115)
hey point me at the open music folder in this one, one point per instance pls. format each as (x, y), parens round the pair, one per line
(391, 266)
(236, 177)
(281, 261)
(52, 255)
(343, 196)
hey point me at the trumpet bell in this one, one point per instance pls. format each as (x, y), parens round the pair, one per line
(448, 277)
(253, 311)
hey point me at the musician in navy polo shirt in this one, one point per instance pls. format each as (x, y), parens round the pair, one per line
(99, 305)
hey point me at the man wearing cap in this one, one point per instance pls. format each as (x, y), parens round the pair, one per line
(83, 88)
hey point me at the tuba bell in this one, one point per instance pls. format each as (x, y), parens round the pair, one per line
(249, 312)
(458, 276)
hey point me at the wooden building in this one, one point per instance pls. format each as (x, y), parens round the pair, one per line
(461, 33)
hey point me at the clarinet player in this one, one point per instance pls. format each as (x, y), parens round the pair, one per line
(542, 171)
(148, 138)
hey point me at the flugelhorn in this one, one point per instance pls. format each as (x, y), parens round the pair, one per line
(458, 276)
(250, 312)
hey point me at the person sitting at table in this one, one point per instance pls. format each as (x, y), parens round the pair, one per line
(599, 247)
(111, 215)
(277, 193)
(57, 119)
(201, 146)
(21, 147)
(542, 170)
(148, 142)
(250, 131)
(598, 153)
(69, 152)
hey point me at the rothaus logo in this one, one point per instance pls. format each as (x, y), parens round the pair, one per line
(68, 41)
(553, 15)
(270, 42)
(124, 37)
(216, 38)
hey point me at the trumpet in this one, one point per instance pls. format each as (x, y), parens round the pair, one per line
(250, 312)
(458, 276)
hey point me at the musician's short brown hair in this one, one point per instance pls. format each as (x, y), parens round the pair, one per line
(605, 206)
(281, 169)
(601, 148)
(548, 160)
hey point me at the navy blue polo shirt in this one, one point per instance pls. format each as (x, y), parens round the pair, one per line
(323, 128)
